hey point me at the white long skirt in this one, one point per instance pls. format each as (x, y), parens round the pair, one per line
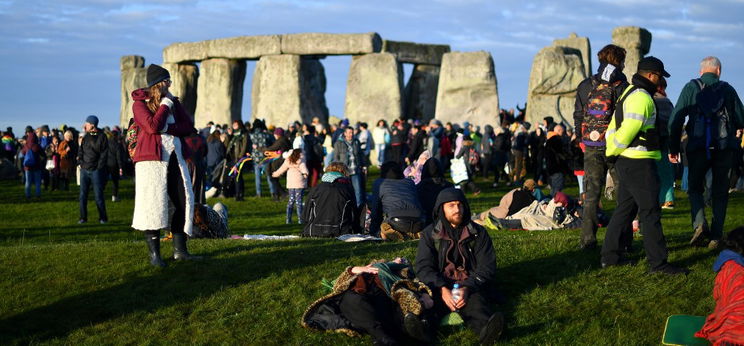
(151, 201)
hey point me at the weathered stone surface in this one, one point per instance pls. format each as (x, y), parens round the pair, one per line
(416, 53)
(220, 89)
(241, 47)
(331, 44)
(421, 92)
(374, 89)
(580, 43)
(184, 77)
(133, 77)
(468, 90)
(287, 88)
(637, 43)
(556, 72)
(312, 91)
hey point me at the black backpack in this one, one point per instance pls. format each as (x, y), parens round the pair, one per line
(598, 111)
(313, 148)
(710, 125)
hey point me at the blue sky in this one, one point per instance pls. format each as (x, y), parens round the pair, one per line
(60, 59)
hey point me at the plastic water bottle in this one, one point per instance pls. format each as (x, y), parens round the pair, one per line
(456, 293)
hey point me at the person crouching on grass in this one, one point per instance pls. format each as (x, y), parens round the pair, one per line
(297, 173)
(162, 175)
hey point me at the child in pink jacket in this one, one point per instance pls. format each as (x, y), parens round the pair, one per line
(297, 173)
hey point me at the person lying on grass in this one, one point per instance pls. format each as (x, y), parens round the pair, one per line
(381, 299)
(455, 250)
(725, 326)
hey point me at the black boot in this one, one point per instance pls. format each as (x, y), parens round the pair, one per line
(153, 243)
(179, 248)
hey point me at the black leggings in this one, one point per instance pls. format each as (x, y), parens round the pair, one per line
(177, 194)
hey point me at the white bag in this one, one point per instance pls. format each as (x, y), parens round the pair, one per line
(50, 165)
(459, 170)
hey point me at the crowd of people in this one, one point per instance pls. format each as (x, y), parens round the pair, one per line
(627, 142)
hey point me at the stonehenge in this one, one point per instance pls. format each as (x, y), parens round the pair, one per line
(637, 43)
(558, 69)
(468, 89)
(289, 80)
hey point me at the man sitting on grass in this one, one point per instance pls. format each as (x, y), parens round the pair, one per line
(455, 250)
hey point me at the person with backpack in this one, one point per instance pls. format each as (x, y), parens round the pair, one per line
(633, 145)
(595, 103)
(715, 113)
(33, 162)
(93, 157)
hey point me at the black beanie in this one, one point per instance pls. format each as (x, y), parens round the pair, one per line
(156, 74)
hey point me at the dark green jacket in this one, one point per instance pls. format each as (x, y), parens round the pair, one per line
(686, 105)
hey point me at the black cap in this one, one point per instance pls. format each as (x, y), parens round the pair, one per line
(156, 74)
(650, 63)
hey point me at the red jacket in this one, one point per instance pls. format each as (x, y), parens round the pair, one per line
(148, 138)
(726, 323)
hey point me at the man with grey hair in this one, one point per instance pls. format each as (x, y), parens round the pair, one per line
(715, 113)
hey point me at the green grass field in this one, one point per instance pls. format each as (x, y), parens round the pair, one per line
(65, 283)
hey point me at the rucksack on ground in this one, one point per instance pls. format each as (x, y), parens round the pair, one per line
(710, 124)
(598, 111)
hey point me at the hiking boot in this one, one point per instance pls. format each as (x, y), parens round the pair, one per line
(82, 221)
(416, 328)
(698, 238)
(669, 269)
(180, 252)
(153, 244)
(492, 330)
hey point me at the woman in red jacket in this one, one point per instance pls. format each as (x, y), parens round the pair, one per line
(160, 167)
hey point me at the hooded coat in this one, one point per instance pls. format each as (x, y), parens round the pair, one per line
(169, 125)
(475, 247)
(432, 183)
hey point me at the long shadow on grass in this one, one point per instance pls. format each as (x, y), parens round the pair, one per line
(520, 278)
(177, 284)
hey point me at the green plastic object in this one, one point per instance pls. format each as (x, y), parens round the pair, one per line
(680, 330)
(452, 319)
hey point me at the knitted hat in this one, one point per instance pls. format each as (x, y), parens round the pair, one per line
(279, 131)
(92, 119)
(29, 129)
(156, 74)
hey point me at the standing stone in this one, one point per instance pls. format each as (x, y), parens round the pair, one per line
(133, 77)
(637, 43)
(184, 77)
(220, 89)
(312, 91)
(421, 92)
(288, 88)
(556, 72)
(374, 89)
(468, 90)
(581, 44)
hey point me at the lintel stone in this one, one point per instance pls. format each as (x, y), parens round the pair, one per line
(240, 47)
(330, 44)
(416, 53)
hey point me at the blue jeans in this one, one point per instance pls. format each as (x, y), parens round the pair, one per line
(380, 153)
(257, 178)
(580, 178)
(97, 179)
(357, 181)
(33, 177)
(328, 158)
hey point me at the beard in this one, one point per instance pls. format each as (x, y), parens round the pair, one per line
(454, 219)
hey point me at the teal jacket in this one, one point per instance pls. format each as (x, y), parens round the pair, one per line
(686, 105)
